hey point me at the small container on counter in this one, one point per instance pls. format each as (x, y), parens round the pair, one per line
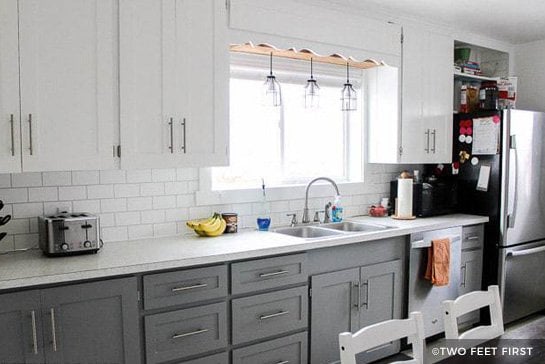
(231, 220)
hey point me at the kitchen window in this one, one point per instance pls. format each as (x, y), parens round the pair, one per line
(289, 145)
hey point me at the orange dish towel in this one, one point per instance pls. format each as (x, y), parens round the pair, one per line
(438, 267)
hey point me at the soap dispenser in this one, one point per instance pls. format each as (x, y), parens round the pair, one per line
(337, 210)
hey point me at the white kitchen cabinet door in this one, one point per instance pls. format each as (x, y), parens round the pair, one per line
(174, 83)
(68, 65)
(10, 141)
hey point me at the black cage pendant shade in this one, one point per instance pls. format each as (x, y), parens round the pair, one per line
(272, 91)
(349, 97)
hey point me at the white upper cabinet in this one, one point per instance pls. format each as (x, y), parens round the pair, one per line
(422, 131)
(174, 83)
(68, 64)
(10, 141)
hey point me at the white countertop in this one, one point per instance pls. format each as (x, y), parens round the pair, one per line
(32, 268)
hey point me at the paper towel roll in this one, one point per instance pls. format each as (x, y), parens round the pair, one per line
(404, 197)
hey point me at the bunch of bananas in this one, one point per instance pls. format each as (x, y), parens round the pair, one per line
(212, 226)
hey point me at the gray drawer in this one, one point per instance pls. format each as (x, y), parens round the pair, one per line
(186, 286)
(472, 237)
(268, 273)
(179, 334)
(222, 358)
(268, 314)
(291, 349)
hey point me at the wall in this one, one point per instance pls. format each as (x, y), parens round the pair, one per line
(529, 66)
(146, 203)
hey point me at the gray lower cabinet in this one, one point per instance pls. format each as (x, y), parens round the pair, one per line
(184, 333)
(290, 349)
(349, 300)
(82, 323)
(21, 338)
(471, 268)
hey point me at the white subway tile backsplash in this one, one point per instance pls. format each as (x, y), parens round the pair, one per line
(85, 177)
(5, 180)
(43, 194)
(21, 210)
(140, 231)
(51, 208)
(139, 203)
(72, 193)
(92, 206)
(164, 202)
(152, 189)
(113, 205)
(127, 218)
(113, 176)
(153, 216)
(32, 179)
(163, 175)
(127, 190)
(100, 191)
(13, 195)
(146, 203)
(57, 178)
(139, 176)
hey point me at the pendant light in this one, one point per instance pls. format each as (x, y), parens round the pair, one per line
(272, 92)
(349, 97)
(312, 91)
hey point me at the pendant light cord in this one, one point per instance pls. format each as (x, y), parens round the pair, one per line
(311, 70)
(270, 65)
(347, 74)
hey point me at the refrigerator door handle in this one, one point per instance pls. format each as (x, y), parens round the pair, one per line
(520, 253)
(511, 217)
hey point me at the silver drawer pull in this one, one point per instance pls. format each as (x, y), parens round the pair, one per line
(179, 336)
(474, 237)
(272, 274)
(283, 362)
(179, 289)
(34, 336)
(272, 315)
(53, 329)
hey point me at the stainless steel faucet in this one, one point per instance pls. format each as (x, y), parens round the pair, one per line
(306, 219)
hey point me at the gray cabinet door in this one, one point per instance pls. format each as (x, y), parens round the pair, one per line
(333, 310)
(381, 292)
(471, 272)
(20, 328)
(92, 322)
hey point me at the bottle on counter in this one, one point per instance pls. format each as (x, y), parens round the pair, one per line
(337, 210)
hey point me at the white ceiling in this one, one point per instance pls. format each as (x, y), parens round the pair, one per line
(512, 21)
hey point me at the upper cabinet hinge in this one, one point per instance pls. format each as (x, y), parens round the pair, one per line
(400, 150)
(512, 142)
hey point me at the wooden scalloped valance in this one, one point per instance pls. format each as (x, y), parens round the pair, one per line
(303, 54)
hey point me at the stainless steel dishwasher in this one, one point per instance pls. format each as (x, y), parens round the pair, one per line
(423, 296)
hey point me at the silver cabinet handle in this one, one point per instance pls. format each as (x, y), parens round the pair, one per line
(184, 148)
(272, 315)
(30, 134)
(53, 329)
(357, 286)
(171, 125)
(179, 336)
(434, 132)
(11, 121)
(473, 237)
(34, 336)
(187, 288)
(427, 149)
(366, 303)
(273, 274)
(283, 362)
(463, 271)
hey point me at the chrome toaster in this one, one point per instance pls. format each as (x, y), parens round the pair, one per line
(69, 233)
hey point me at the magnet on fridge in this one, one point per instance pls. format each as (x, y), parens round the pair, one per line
(495, 119)
(462, 130)
(464, 156)
(469, 130)
(469, 139)
(462, 138)
(474, 161)
(455, 168)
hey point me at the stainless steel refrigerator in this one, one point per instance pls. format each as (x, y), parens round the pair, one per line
(514, 199)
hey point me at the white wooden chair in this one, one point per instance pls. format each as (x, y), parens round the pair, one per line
(470, 302)
(383, 333)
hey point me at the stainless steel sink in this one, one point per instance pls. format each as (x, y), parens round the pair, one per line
(307, 232)
(350, 226)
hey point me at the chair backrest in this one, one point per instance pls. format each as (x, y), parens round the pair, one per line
(382, 333)
(470, 302)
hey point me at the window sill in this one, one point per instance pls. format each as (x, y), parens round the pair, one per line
(204, 198)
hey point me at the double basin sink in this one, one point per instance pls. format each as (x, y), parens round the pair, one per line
(331, 229)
